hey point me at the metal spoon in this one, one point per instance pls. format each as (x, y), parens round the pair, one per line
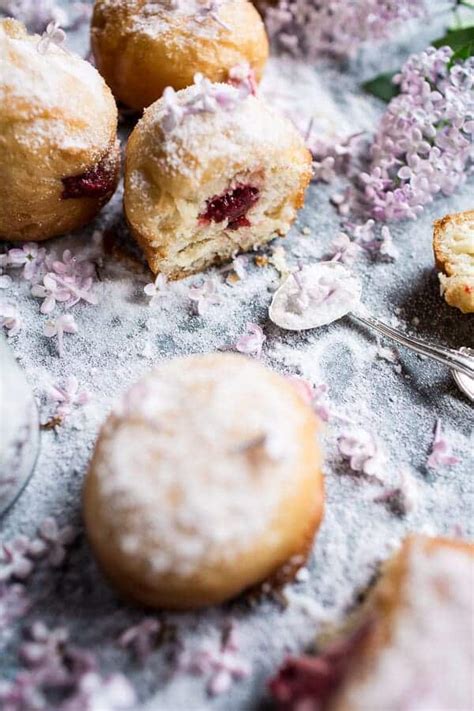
(326, 291)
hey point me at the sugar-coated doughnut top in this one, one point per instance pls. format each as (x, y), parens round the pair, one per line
(198, 129)
(62, 97)
(196, 460)
(428, 662)
(156, 17)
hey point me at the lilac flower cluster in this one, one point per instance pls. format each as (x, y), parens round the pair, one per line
(424, 144)
(336, 28)
(55, 669)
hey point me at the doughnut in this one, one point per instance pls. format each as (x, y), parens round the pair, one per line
(453, 246)
(141, 47)
(59, 155)
(210, 171)
(410, 646)
(205, 481)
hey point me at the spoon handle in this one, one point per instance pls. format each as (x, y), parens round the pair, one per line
(452, 358)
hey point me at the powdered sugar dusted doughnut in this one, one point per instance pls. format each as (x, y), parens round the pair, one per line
(141, 47)
(59, 156)
(412, 647)
(204, 482)
(210, 171)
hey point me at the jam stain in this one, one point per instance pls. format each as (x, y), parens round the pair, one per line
(97, 182)
(232, 206)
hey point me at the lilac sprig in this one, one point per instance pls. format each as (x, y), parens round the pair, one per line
(336, 28)
(423, 145)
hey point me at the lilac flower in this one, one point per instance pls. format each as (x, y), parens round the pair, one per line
(314, 395)
(337, 28)
(441, 453)
(14, 562)
(58, 327)
(56, 540)
(174, 112)
(402, 499)
(51, 292)
(67, 396)
(387, 249)
(251, 342)
(13, 603)
(157, 288)
(344, 250)
(30, 257)
(204, 295)
(243, 76)
(423, 145)
(53, 34)
(10, 319)
(223, 664)
(44, 645)
(73, 267)
(94, 693)
(324, 170)
(364, 455)
(210, 8)
(141, 638)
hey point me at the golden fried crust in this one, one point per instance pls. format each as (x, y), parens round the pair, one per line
(140, 53)
(383, 609)
(58, 120)
(453, 246)
(170, 178)
(273, 551)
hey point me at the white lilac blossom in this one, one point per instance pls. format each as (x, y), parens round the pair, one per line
(44, 645)
(30, 257)
(210, 8)
(344, 250)
(53, 34)
(337, 28)
(314, 395)
(14, 561)
(5, 281)
(67, 396)
(207, 98)
(58, 327)
(441, 450)
(387, 250)
(13, 603)
(363, 453)
(242, 75)
(51, 292)
(404, 498)
(423, 145)
(204, 295)
(55, 540)
(141, 638)
(157, 288)
(222, 664)
(10, 319)
(251, 342)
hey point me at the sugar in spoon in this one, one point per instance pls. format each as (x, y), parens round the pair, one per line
(326, 291)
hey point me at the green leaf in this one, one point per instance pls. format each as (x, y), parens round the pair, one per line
(457, 39)
(382, 86)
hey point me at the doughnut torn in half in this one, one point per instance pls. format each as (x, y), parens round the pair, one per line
(411, 644)
(210, 171)
(453, 244)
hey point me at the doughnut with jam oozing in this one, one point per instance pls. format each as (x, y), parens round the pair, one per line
(59, 155)
(211, 171)
(141, 47)
(205, 481)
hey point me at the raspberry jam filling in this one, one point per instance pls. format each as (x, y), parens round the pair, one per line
(232, 206)
(94, 183)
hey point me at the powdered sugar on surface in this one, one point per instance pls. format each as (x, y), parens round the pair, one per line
(124, 335)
